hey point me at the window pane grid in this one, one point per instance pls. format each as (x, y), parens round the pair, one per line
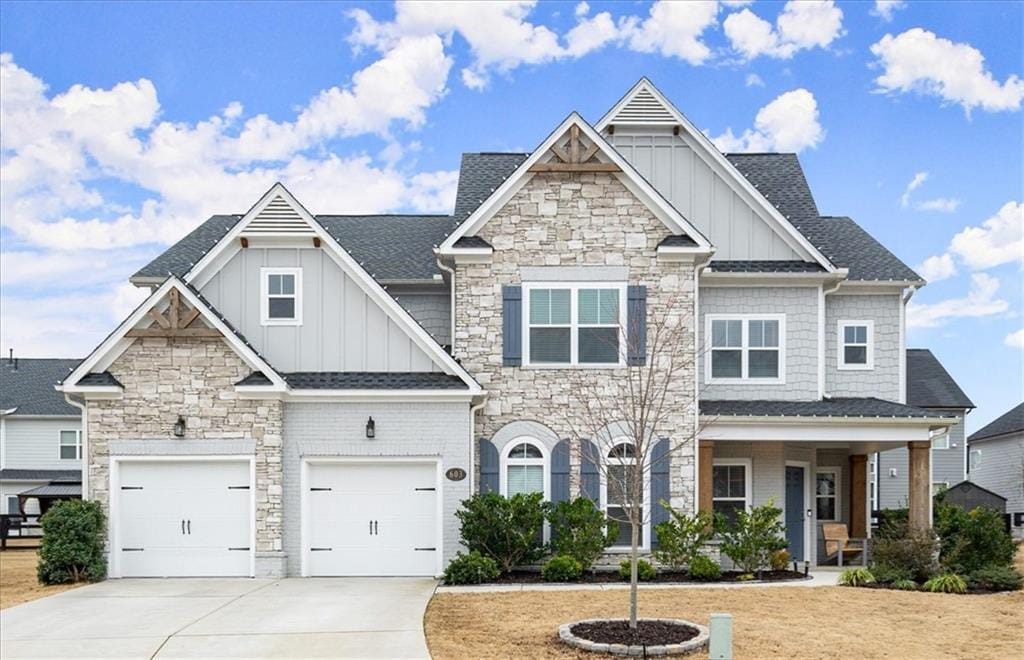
(746, 349)
(574, 326)
(826, 495)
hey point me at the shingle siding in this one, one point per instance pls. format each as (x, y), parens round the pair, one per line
(432, 311)
(883, 380)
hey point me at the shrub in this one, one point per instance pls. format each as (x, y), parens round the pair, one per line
(473, 568)
(506, 529)
(890, 574)
(562, 568)
(972, 540)
(644, 571)
(893, 523)
(904, 585)
(913, 554)
(753, 537)
(856, 577)
(780, 560)
(681, 537)
(72, 545)
(580, 530)
(705, 569)
(995, 578)
(946, 583)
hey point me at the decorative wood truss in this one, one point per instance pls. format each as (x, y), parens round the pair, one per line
(175, 322)
(574, 156)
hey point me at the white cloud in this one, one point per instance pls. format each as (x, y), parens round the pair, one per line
(939, 204)
(937, 268)
(980, 301)
(886, 9)
(915, 183)
(753, 80)
(1015, 339)
(800, 26)
(919, 61)
(673, 29)
(590, 33)
(999, 240)
(788, 123)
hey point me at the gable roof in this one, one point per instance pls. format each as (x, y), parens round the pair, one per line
(480, 174)
(391, 248)
(929, 385)
(1010, 422)
(29, 388)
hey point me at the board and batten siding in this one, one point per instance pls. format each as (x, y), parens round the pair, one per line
(948, 466)
(342, 328)
(703, 192)
(883, 381)
(34, 444)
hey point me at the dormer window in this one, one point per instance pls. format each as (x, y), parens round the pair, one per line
(281, 296)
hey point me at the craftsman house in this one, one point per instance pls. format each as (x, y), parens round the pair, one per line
(310, 394)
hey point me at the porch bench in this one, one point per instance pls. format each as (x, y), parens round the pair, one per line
(838, 544)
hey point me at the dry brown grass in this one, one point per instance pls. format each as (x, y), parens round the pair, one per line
(18, 583)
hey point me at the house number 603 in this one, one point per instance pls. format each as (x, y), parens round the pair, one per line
(455, 474)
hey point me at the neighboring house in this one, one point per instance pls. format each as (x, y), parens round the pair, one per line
(996, 462)
(40, 433)
(929, 386)
(315, 394)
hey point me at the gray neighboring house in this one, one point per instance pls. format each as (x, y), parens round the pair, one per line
(996, 462)
(40, 433)
(931, 387)
(314, 395)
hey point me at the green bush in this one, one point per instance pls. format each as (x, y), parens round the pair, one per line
(681, 537)
(580, 530)
(780, 560)
(890, 574)
(644, 571)
(562, 568)
(995, 578)
(473, 568)
(972, 540)
(911, 553)
(72, 545)
(856, 577)
(946, 583)
(893, 523)
(753, 537)
(904, 585)
(705, 569)
(506, 529)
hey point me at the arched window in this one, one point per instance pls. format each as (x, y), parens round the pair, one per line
(524, 468)
(620, 474)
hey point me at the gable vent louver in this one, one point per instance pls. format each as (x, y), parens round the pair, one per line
(644, 108)
(278, 218)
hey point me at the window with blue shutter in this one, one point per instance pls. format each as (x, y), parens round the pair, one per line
(489, 467)
(636, 315)
(560, 472)
(512, 325)
(661, 464)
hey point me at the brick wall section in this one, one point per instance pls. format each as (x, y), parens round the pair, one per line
(194, 378)
(884, 380)
(571, 220)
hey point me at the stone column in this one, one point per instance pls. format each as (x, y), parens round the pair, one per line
(858, 496)
(706, 458)
(919, 485)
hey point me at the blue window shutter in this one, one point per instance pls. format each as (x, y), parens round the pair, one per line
(512, 325)
(488, 467)
(636, 323)
(590, 474)
(560, 472)
(661, 469)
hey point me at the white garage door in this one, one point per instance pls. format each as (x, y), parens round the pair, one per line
(372, 519)
(184, 518)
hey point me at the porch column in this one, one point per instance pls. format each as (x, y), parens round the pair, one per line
(919, 485)
(858, 496)
(704, 485)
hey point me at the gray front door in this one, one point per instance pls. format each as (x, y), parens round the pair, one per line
(795, 507)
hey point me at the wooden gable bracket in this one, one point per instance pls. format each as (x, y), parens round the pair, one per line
(575, 159)
(175, 322)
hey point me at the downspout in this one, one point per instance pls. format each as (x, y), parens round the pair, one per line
(908, 293)
(822, 292)
(472, 444)
(85, 443)
(451, 305)
(698, 266)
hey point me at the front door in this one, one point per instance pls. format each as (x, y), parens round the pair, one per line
(795, 508)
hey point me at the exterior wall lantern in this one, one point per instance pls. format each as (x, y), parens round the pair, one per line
(371, 428)
(179, 427)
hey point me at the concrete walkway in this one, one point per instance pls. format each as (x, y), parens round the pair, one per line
(190, 618)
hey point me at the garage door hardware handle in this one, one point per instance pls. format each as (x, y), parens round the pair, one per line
(132, 549)
(238, 488)
(320, 549)
(242, 549)
(182, 525)
(375, 532)
(425, 549)
(131, 487)
(190, 527)
(426, 489)
(316, 489)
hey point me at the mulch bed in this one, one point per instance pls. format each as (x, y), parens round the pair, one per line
(647, 633)
(971, 591)
(610, 577)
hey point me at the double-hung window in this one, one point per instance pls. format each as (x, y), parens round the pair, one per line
(70, 447)
(574, 324)
(730, 487)
(746, 349)
(281, 296)
(856, 350)
(826, 494)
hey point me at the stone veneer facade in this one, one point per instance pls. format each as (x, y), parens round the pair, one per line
(194, 378)
(572, 220)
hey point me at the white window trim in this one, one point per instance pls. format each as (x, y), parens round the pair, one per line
(505, 461)
(944, 484)
(941, 441)
(265, 274)
(605, 449)
(744, 348)
(870, 346)
(973, 464)
(748, 481)
(838, 472)
(78, 444)
(574, 324)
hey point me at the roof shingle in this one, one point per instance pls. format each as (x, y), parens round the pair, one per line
(363, 380)
(929, 385)
(827, 407)
(30, 387)
(1011, 422)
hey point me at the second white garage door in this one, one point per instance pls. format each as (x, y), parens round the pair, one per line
(371, 518)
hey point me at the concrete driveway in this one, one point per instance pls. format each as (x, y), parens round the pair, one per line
(191, 618)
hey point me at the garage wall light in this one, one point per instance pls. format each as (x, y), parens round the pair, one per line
(371, 428)
(179, 427)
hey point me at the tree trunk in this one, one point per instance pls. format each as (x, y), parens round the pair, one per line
(633, 575)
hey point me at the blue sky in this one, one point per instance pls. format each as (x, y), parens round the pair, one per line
(125, 125)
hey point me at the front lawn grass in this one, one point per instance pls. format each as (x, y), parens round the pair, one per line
(18, 582)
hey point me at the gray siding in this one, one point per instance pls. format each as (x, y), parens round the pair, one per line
(403, 429)
(1001, 470)
(800, 306)
(33, 443)
(947, 466)
(704, 193)
(342, 328)
(884, 380)
(431, 310)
